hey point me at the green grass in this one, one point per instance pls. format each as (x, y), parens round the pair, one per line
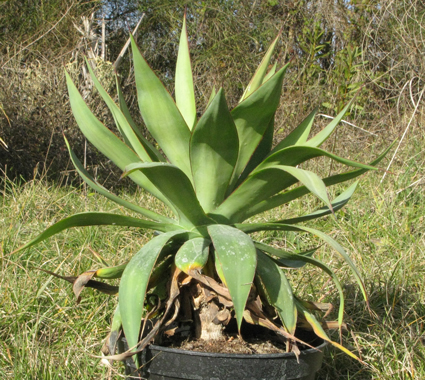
(45, 335)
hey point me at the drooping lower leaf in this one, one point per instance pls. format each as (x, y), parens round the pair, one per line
(318, 329)
(85, 219)
(278, 290)
(109, 273)
(134, 282)
(337, 247)
(234, 249)
(255, 227)
(317, 263)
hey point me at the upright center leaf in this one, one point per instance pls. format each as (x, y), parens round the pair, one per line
(213, 153)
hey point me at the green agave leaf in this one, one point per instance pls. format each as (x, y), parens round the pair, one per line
(115, 330)
(212, 96)
(299, 135)
(104, 140)
(323, 135)
(295, 155)
(255, 227)
(295, 263)
(339, 202)
(185, 94)
(120, 120)
(278, 290)
(309, 260)
(263, 149)
(298, 192)
(270, 73)
(263, 184)
(234, 249)
(252, 117)
(85, 219)
(134, 282)
(260, 73)
(318, 329)
(249, 228)
(310, 180)
(100, 189)
(110, 272)
(160, 113)
(213, 153)
(175, 185)
(161, 271)
(335, 245)
(153, 153)
(193, 255)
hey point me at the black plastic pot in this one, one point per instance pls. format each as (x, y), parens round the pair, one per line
(163, 363)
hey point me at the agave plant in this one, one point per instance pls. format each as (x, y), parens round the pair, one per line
(214, 174)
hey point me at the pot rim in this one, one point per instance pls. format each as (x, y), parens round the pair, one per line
(286, 355)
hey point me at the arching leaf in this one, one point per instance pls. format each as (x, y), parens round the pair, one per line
(101, 190)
